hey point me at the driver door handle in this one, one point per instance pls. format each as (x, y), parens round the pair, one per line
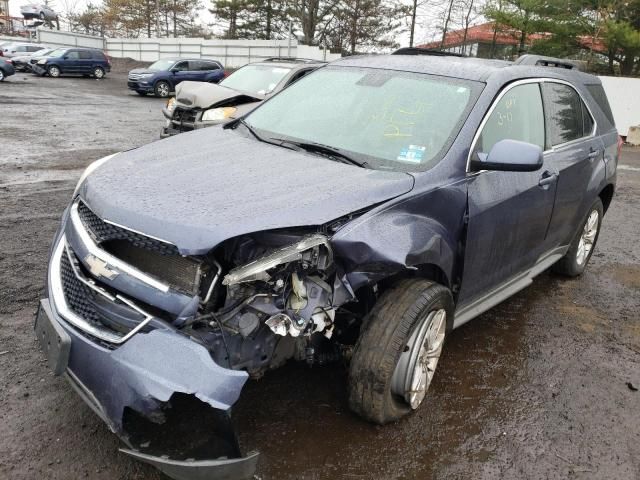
(547, 178)
(593, 153)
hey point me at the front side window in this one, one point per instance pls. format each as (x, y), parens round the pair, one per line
(518, 115)
(565, 114)
(181, 66)
(73, 55)
(393, 120)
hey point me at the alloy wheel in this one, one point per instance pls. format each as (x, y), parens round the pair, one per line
(587, 237)
(417, 364)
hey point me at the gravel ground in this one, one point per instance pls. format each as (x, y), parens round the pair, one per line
(542, 386)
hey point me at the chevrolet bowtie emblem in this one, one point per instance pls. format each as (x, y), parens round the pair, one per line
(99, 268)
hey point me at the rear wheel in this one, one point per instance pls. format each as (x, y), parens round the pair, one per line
(1, 76)
(98, 72)
(396, 355)
(575, 260)
(162, 89)
(53, 71)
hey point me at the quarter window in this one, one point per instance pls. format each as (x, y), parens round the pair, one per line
(568, 117)
(518, 115)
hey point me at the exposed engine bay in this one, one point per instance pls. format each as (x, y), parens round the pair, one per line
(273, 296)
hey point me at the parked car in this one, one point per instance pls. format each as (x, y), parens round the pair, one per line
(198, 105)
(369, 208)
(23, 62)
(161, 77)
(6, 68)
(38, 10)
(75, 61)
(20, 49)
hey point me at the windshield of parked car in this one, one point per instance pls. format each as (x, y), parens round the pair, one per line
(389, 119)
(57, 52)
(259, 79)
(161, 65)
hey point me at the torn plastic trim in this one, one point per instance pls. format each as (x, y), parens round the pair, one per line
(222, 469)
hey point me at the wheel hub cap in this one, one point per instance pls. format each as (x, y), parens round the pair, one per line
(587, 237)
(418, 361)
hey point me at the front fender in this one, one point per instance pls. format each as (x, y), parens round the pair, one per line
(420, 229)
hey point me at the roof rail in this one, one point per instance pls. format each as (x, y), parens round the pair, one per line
(290, 59)
(425, 51)
(543, 61)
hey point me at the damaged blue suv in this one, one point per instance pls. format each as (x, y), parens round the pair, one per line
(363, 213)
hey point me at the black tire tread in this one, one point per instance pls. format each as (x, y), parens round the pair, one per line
(377, 351)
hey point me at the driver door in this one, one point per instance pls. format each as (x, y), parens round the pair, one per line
(509, 212)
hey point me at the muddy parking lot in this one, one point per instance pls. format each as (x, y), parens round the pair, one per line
(542, 386)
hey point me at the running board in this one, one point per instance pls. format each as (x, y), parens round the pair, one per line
(506, 290)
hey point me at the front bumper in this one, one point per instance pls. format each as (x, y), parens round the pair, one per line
(38, 70)
(139, 389)
(140, 86)
(178, 124)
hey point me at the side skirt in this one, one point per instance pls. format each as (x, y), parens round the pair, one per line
(507, 289)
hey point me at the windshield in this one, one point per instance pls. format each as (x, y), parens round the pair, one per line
(161, 65)
(391, 120)
(57, 53)
(260, 79)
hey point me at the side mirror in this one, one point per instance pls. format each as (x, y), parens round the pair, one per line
(65, 58)
(174, 70)
(509, 156)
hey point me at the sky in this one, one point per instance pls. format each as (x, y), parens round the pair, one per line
(428, 16)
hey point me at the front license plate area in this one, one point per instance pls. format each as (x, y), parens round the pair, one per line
(54, 341)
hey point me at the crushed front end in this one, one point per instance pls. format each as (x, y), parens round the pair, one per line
(160, 344)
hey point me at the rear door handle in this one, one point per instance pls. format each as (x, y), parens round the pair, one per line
(594, 153)
(547, 178)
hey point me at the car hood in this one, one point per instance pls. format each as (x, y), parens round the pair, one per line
(142, 70)
(206, 95)
(200, 188)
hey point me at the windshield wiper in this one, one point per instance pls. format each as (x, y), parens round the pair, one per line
(326, 150)
(252, 131)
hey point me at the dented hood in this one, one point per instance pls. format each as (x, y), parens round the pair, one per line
(205, 95)
(200, 188)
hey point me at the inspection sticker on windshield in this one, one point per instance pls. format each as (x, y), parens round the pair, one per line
(412, 154)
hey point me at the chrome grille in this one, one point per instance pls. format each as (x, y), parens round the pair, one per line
(160, 259)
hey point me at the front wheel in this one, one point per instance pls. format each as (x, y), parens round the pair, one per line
(98, 72)
(162, 89)
(396, 356)
(53, 71)
(575, 260)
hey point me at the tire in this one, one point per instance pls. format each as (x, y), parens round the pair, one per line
(576, 259)
(162, 89)
(1, 76)
(386, 342)
(98, 72)
(53, 71)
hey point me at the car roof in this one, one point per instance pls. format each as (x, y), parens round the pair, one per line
(468, 68)
(187, 59)
(293, 63)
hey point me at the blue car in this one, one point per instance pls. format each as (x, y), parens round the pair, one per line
(360, 215)
(73, 61)
(6, 69)
(161, 77)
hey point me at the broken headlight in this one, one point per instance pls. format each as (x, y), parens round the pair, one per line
(308, 251)
(218, 114)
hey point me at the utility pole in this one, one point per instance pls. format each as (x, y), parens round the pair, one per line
(413, 22)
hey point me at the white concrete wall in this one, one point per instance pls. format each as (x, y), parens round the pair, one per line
(232, 53)
(624, 98)
(57, 38)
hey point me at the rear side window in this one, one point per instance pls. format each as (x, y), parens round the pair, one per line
(207, 66)
(567, 117)
(33, 49)
(518, 115)
(597, 92)
(84, 54)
